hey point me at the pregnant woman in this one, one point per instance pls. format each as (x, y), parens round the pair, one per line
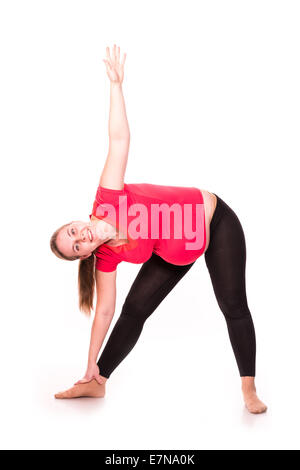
(167, 228)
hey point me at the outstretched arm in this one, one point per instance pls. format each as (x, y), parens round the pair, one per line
(113, 173)
(104, 312)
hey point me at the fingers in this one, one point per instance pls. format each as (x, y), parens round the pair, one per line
(111, 59)
(115, 58)
(83, 381)
(107, 64)
(99, 380)
(115, 53)
(87, 380)
(108, 54)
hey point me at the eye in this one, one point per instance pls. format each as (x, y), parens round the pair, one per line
(76, 247)
(72, 231)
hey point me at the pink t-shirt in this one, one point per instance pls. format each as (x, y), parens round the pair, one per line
(166, 220)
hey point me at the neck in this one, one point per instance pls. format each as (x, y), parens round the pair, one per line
(110, 230)
(113, 236)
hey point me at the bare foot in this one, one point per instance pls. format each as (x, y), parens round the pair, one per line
(253, 403)
(89, 389)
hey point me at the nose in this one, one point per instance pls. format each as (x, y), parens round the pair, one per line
(83, 235)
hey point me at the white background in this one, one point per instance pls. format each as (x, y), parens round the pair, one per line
(212, 95)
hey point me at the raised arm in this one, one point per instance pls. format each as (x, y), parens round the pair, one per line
(113, 173)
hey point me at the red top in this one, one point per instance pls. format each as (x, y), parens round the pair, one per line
(166, 220)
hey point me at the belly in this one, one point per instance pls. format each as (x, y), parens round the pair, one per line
(210, 202)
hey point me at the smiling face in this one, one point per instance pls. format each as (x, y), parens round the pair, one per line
(81, 238)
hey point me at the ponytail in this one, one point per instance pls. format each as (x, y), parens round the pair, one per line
(86, 274)
(86, 284)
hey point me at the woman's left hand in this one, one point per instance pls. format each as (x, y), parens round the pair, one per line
(115, 68)
(91, 373)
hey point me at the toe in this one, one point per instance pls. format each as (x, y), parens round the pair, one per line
(263, 409)
(65, 394)
(256, 409)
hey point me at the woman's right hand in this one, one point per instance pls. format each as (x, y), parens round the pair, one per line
(92, 372)
(114, 68)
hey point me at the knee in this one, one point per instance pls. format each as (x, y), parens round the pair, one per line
(234, 308)
(133, 309)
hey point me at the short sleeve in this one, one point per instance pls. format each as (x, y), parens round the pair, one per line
(111, 196)
(109, 203)
(106, 261)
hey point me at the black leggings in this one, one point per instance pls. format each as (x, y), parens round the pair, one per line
(226, 261)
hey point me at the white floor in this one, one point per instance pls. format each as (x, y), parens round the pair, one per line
(178, 389)
(143, 410)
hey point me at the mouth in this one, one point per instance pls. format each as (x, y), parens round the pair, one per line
(90, 235)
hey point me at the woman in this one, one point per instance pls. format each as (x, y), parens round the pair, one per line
(107, 239)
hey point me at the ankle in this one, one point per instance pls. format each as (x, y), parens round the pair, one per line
(248, 385)
(104, 379)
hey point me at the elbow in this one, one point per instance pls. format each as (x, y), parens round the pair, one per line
(120, 137)
(108, 313)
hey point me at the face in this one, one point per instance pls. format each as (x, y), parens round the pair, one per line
(81, 238)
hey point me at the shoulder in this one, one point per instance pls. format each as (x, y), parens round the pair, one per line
(106, 259)
(109, 195)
